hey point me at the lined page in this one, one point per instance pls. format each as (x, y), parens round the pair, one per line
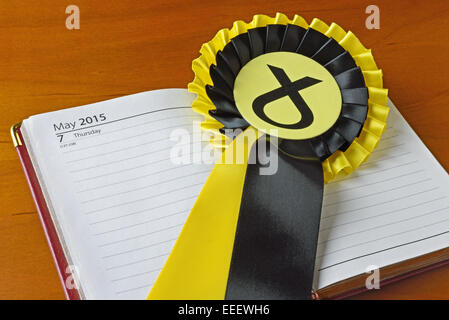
(118, 198)
(394, 207)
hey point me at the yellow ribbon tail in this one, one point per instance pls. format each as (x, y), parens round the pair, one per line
(198, 265)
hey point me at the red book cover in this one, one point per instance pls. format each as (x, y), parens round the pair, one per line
(51, 234)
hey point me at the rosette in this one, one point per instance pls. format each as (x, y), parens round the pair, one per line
(318, 91)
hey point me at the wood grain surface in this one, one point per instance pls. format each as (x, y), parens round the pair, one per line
(125, 47)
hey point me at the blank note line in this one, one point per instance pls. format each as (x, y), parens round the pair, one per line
(333, 226)
(371, 162)
(121, 160)
(140, 235)
(381, 203)
(136, 262)
(389, 147)
(391, 235)
(145, 210)
(390, 137)
(158, 183)
(128, 180)
(117, 150)
(135, 275)
(141, 223)
(368, 173)
(126, 159)
(142, 199)
(380, 226)
(373, 183)
(123, 170)
(378, 192)
(139, 248)
(147, 286)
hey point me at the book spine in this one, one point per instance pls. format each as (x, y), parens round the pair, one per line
(51, 234)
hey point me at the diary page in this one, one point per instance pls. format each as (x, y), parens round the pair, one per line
(121, 201)
(394, 207)
(118, 196)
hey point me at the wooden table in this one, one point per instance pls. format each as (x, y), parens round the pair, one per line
(125, 47)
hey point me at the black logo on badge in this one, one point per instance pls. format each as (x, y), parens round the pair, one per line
(290, 89)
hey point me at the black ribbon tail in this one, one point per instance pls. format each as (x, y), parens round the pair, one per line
(277, 231)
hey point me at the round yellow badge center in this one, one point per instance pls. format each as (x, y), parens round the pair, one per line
(288, 95)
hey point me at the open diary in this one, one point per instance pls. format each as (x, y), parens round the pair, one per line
(112, 202)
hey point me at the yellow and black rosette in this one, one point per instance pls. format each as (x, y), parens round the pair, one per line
(315, 89)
